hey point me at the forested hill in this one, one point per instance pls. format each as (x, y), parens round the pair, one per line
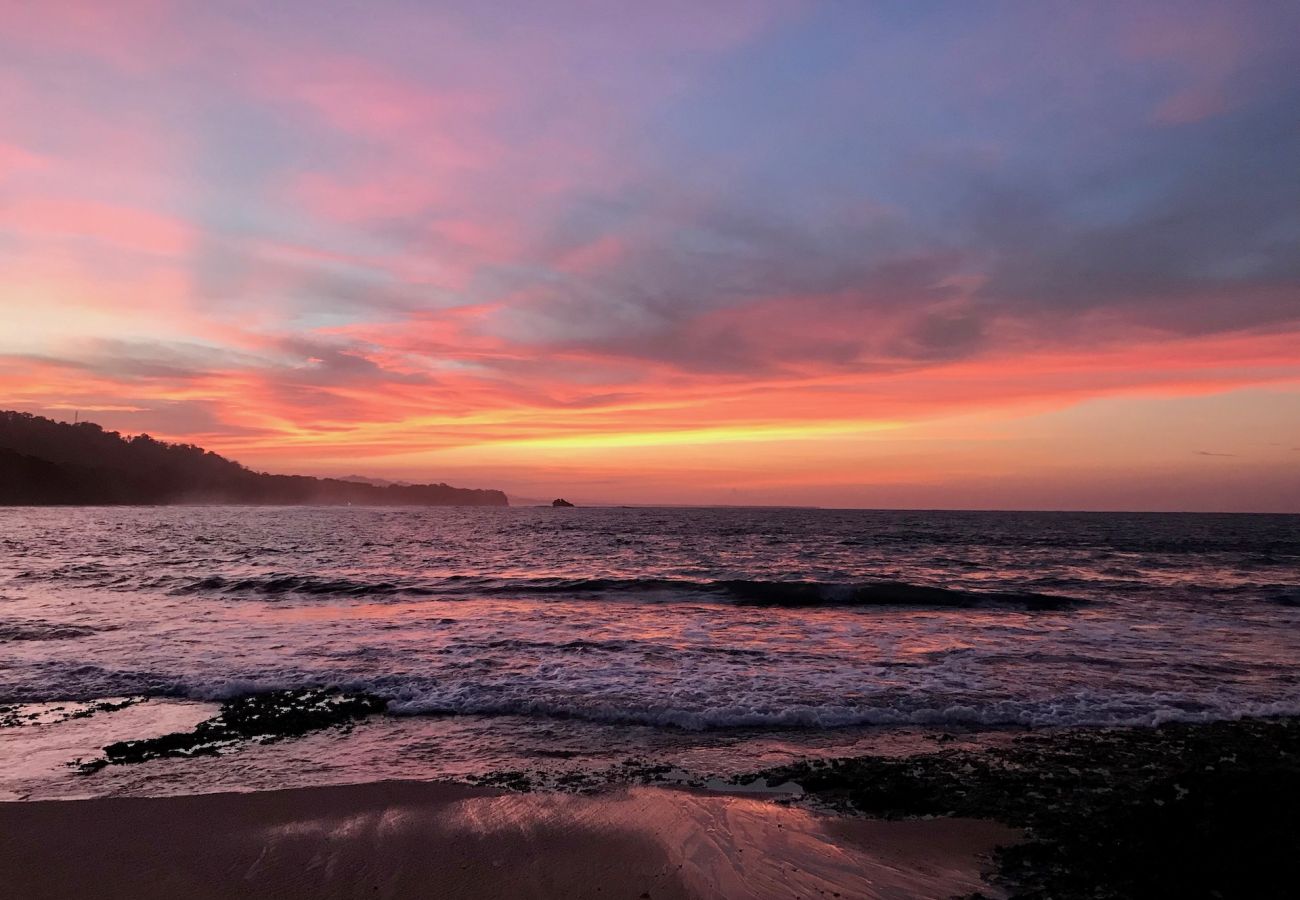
(47, 462)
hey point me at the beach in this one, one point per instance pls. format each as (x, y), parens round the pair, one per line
(410, 839)
(226, 701)
(740, 450)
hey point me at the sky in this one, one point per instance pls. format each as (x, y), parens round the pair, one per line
(883, 254)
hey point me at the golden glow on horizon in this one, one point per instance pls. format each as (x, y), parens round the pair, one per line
(709, 436)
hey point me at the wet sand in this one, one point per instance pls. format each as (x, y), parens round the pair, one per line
(412, 839)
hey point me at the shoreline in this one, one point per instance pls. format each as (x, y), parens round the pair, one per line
(1175, 810)
(400, 839)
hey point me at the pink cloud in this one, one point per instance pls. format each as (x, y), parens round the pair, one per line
(358, 97)
(117, 226)
(1195, 104)
(127, 35)
(1205, 50)
(15, 160)
(593, 256)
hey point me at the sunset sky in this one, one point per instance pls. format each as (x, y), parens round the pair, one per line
(916, 254)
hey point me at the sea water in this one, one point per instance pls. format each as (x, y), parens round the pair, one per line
(585, 636)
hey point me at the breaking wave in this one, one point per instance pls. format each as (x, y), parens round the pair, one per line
(739, 591)
(1057, 712)
(745, 710)
(277, 585)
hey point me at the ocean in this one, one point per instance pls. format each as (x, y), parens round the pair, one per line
(561, 639)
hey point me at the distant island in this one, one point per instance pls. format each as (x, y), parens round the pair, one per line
(560, 501)
(44, 462)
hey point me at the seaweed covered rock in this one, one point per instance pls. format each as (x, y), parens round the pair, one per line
(1182, 810)
(263, 717)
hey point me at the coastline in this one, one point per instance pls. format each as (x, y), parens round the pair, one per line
(1175, 810)
(583, 676)
(417, 839)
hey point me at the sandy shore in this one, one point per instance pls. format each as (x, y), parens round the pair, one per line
(409, 839)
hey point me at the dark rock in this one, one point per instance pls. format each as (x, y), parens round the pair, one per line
(1182, 810)
(510, 779)
(560, 501)
(17, 715)
(263, 717)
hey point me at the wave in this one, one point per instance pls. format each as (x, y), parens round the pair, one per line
(711, 699)
(815, 717)
(746, 592)
(752, 592)
(276, 585)
(37, 630)
(1083, 709)
(885, 593)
